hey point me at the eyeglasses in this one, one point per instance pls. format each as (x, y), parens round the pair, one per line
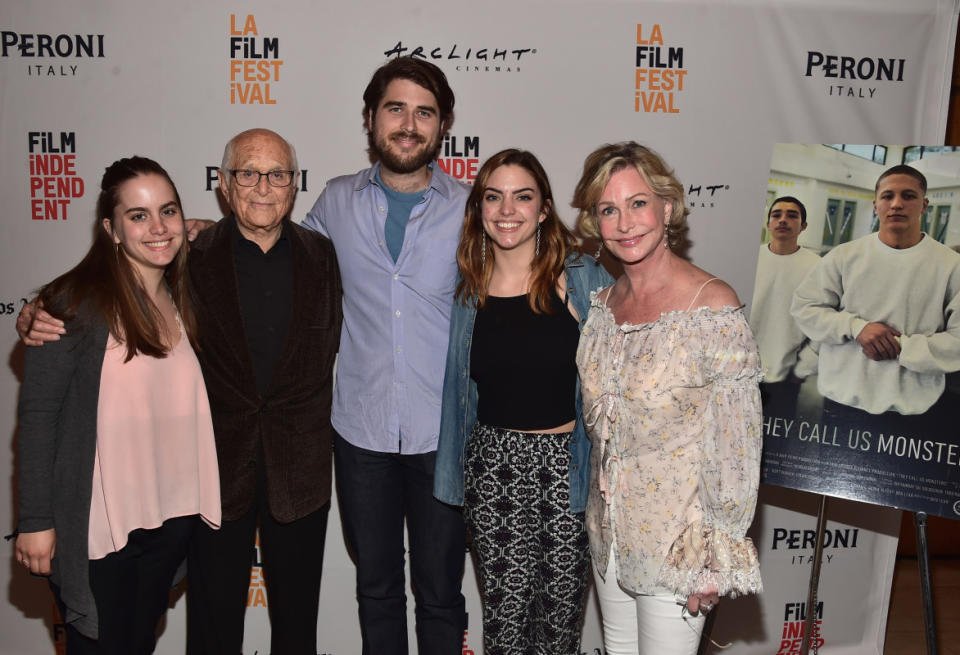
(246, 177)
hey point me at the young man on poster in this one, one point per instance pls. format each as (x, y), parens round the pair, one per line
(788, 357)
(885, 309)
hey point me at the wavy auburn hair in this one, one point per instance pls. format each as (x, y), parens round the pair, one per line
(556, 240)
(106, 281)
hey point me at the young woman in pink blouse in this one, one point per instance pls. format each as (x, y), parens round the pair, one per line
(669, 373)
(116, 459)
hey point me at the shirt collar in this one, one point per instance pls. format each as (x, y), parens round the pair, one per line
(239, 239)
(439, 181)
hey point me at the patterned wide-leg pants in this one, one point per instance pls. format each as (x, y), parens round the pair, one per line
(532, 553)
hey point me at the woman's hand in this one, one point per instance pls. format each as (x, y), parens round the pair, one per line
(34, 550)
(703, 601)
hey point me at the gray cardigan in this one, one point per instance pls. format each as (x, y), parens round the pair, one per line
(56, 447)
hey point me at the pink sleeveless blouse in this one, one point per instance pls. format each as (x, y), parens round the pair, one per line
(156, 458)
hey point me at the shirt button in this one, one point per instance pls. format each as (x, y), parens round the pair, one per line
(381, 243)
(398, 312)
(380, 208)
(398, 348)
(396, 276)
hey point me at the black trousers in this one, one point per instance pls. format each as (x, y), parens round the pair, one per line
(218, 577)
(131, 588)
(377, 491)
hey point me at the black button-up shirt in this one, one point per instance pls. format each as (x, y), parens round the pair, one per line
(265, 291)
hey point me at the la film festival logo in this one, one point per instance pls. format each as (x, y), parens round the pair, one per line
(51, 46)
(467, 58)
(254, 63)
(660, 73)
(853, 77)
(257, 591)
(460, 157)
(54, 183)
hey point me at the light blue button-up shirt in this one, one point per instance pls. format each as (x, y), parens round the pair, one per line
(396, 315)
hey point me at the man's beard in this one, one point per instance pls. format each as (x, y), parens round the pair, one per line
(389, 159)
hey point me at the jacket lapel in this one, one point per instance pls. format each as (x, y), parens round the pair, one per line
(215, 281)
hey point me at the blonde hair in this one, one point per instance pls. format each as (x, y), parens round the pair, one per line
(611, 158)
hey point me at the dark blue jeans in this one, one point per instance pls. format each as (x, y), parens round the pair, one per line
(376, 492)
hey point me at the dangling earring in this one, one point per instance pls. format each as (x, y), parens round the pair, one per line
(483, 252)
(599, 250)
(536, 252)
(666, 236)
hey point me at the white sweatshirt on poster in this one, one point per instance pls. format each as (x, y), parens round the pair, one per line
(914, 290)
(784, 348)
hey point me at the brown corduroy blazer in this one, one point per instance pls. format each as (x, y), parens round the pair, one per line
(291, 421)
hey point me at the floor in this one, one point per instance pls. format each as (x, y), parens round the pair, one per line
(905, 631)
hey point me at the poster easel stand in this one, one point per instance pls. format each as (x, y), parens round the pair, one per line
(926, 589)
(810, 633)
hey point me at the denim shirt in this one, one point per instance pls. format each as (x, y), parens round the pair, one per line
(459, 402)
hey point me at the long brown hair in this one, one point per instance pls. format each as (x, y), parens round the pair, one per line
(107, 281)
(556, 240)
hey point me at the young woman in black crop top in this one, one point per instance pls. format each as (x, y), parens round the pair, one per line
(512, 365)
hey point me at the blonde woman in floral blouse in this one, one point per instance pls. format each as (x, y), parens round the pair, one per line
(670, 373)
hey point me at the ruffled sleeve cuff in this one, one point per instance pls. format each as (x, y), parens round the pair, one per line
(702, 557)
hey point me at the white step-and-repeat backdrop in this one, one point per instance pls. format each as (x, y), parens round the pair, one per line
(710, 85)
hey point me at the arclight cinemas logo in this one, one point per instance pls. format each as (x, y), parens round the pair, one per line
(701, 195)
(468, 58)
(856, 75)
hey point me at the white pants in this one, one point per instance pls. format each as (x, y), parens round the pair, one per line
(644, 625)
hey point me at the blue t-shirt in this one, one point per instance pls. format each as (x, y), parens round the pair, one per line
(399, 206)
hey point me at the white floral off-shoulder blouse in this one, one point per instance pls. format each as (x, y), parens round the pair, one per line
(673, 411)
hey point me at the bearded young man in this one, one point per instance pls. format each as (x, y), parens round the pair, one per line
(395, 227)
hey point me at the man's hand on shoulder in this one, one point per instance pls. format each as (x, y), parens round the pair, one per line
(197, 225)
(879, 341)
(35, 326)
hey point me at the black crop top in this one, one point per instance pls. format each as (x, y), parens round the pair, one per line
(524, 364)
